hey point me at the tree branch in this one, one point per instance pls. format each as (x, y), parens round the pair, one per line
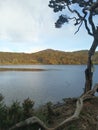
(87, 28)
(85, 22)
(74, 11)
(81, 19)
(91, 22)
(79, 27)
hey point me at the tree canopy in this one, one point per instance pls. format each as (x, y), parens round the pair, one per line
(84, 12)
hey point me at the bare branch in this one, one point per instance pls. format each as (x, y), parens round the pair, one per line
(79, 27)
(85, 22)
(87, 28)
(91, 22)
(81, 18)
(74, 11)
(29, 121)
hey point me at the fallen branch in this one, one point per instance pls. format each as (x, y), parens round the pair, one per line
(79, 106)
(29, 121)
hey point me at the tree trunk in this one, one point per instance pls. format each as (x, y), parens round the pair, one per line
(89, 69)
(88, 76)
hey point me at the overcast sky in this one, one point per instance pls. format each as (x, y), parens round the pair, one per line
(28, 26)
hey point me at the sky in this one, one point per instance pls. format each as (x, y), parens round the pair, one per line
(28, 26)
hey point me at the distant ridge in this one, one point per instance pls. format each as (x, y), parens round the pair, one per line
(48, 56)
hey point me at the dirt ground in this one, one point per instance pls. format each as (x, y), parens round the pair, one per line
(88, 119)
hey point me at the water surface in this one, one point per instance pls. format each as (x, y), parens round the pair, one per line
(54, 84)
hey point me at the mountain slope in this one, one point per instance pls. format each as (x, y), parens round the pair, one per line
(48, 56)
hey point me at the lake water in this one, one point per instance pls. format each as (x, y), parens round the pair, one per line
(54, 84)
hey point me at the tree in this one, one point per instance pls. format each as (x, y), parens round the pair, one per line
(82, 12)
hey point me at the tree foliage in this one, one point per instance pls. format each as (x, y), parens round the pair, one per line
(81, 11)
(10, 115)
(28, 105)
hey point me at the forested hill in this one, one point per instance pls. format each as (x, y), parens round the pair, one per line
(48, 56)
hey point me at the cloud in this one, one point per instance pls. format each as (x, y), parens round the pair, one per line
(28, 21)
(22, 20)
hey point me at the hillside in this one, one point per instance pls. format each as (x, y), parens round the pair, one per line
(48, 56)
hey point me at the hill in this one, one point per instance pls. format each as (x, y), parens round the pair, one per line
(48, 56)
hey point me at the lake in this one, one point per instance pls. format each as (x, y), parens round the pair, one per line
(53, 84)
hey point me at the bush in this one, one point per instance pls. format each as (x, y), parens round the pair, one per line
(28, 110)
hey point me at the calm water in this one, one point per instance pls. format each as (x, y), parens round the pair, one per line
(57, 82)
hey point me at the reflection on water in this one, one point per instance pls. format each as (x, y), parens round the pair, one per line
(58, 82)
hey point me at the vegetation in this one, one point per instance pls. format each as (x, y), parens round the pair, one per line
(15, 113)
(48, 56)
(85, 13)
(10, 115)
(51, 114)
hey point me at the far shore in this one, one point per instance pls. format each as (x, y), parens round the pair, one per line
(21, 69)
